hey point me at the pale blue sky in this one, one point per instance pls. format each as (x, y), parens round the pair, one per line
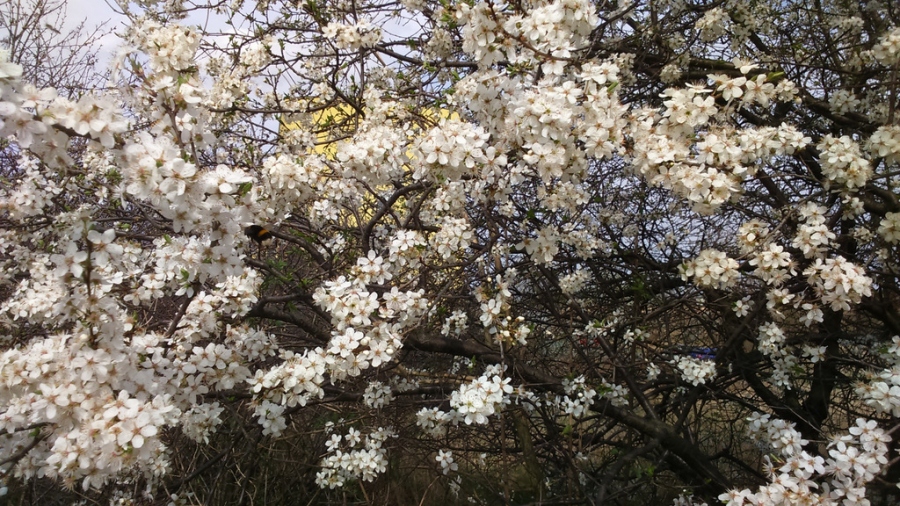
(94, 12)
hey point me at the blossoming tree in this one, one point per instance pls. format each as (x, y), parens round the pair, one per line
(597, 252)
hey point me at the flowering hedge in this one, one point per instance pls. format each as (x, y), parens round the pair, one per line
(495, 260)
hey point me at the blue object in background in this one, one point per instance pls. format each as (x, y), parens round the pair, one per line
(703, 353)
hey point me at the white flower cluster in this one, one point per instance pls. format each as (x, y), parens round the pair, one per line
(371, 269)
(565, 195)
(632, 335)
(157, 171)
(450, 198)
(771, 343)
(446, 461)
(271, 417)
(293, 382)
(375, 154)
(776, 434)
(34, 193)
(759, 91)
(677, 149)
(771, 339)
(486, 94)
(105, 377)
(377, 395)
(616, 394)
(451, 150)
(256, 55)
(839, 282)
(843, 101)
(773, 264)
(98, 428)
(172, 98)
(854, 208)
(289, 183)
(729, 88)
(687, 500)
(350, 351)
(171, 47)
(854, 459)
(555, 28)
(852, 24)
(689, 107)
(599, 329)
(95, 381)
(670, 73)
(743, 307)
(813, 235)
(404, 383)
(579, 397)
(8, 69)
(604, 114)
(37, 299)
(455, 324)
(882, 391)
(885, 143)
(711, 269)
(352, 306)
(779, 298)
(29, 115)
(440, 45)
(253, 344)
(842, 162)
(494, 307)
(454, 236)
(472, 403)
(763, 143)
(835, 281)
(889, 228)
(713, 24)
(354, 457)
(433, 421)
(405, 248)
(545, 120)
(574, 282)
(511, 330)
(544, 247)
(480, 32)
(483, 397)
(201, 420)
(353, 37)
(214, 365)
(751, 235)
(887, 50)
(528, 399)
(124, 385)
(695, 371)
(546, 138)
